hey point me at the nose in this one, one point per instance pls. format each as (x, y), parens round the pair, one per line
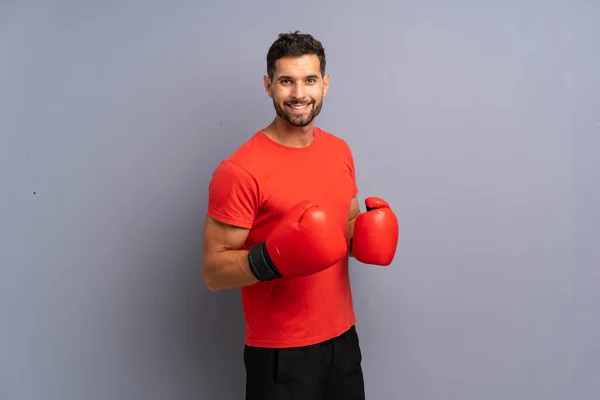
(298, 91)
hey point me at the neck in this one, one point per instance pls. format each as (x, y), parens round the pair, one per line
(292, 136)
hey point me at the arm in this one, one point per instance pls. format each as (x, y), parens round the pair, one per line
(374, 233)
(354, 211)
(233, 195)
(224, 266)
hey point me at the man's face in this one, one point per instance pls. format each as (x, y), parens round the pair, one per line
(297, 89)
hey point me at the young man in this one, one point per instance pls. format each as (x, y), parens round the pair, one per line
(283, 218)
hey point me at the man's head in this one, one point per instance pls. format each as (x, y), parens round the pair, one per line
(296, 79)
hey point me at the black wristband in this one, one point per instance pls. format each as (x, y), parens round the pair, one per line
(260, 263)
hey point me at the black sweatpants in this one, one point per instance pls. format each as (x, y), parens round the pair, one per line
(326, 371)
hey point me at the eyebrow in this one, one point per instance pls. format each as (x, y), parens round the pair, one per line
(290, 78)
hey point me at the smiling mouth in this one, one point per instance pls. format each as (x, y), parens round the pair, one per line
(298, 107)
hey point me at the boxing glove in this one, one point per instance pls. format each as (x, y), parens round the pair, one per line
(304, 242)
(375, 235)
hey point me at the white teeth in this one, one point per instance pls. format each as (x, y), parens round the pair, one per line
(298, 106)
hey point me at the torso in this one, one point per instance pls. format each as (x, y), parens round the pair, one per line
(295, 312)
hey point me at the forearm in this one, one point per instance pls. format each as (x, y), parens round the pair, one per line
(227, 270)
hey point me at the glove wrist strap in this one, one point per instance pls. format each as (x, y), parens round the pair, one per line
(261, 264)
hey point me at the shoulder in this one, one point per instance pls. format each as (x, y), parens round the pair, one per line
(239, 161)
(233, 194)
(237, 166)
(228, 170)
(334, 142)
(248, 154)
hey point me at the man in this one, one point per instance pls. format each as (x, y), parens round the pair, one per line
(283, 218)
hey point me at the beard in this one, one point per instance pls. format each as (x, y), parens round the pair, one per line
(299, 120)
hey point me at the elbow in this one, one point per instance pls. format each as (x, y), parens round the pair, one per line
(212, 288)
(208, 279)
(210, 284)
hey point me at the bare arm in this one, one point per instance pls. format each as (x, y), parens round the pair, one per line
(354, 211)
(224, 266)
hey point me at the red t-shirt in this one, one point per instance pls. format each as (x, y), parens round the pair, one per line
(252, 188)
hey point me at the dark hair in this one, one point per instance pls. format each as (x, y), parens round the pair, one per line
(294, 44)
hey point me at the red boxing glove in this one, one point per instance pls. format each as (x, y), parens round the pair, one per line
(303, 243)
(375, 235)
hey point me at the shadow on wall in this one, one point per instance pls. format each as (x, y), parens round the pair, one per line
(173, 332)
(207, 328)
(160, 333)
(202, 332)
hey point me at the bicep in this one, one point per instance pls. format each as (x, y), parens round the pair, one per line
(219, 236)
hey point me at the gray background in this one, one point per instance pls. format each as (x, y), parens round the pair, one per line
(478, 121)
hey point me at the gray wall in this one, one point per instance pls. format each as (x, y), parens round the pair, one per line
(483, 120)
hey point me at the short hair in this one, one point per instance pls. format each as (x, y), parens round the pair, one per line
(294, 44)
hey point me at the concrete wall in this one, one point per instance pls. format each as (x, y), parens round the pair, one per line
(477, 122)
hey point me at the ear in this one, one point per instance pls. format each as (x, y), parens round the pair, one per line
(267, 83)
(325, 84)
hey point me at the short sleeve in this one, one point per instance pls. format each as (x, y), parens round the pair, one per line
(233, 195)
